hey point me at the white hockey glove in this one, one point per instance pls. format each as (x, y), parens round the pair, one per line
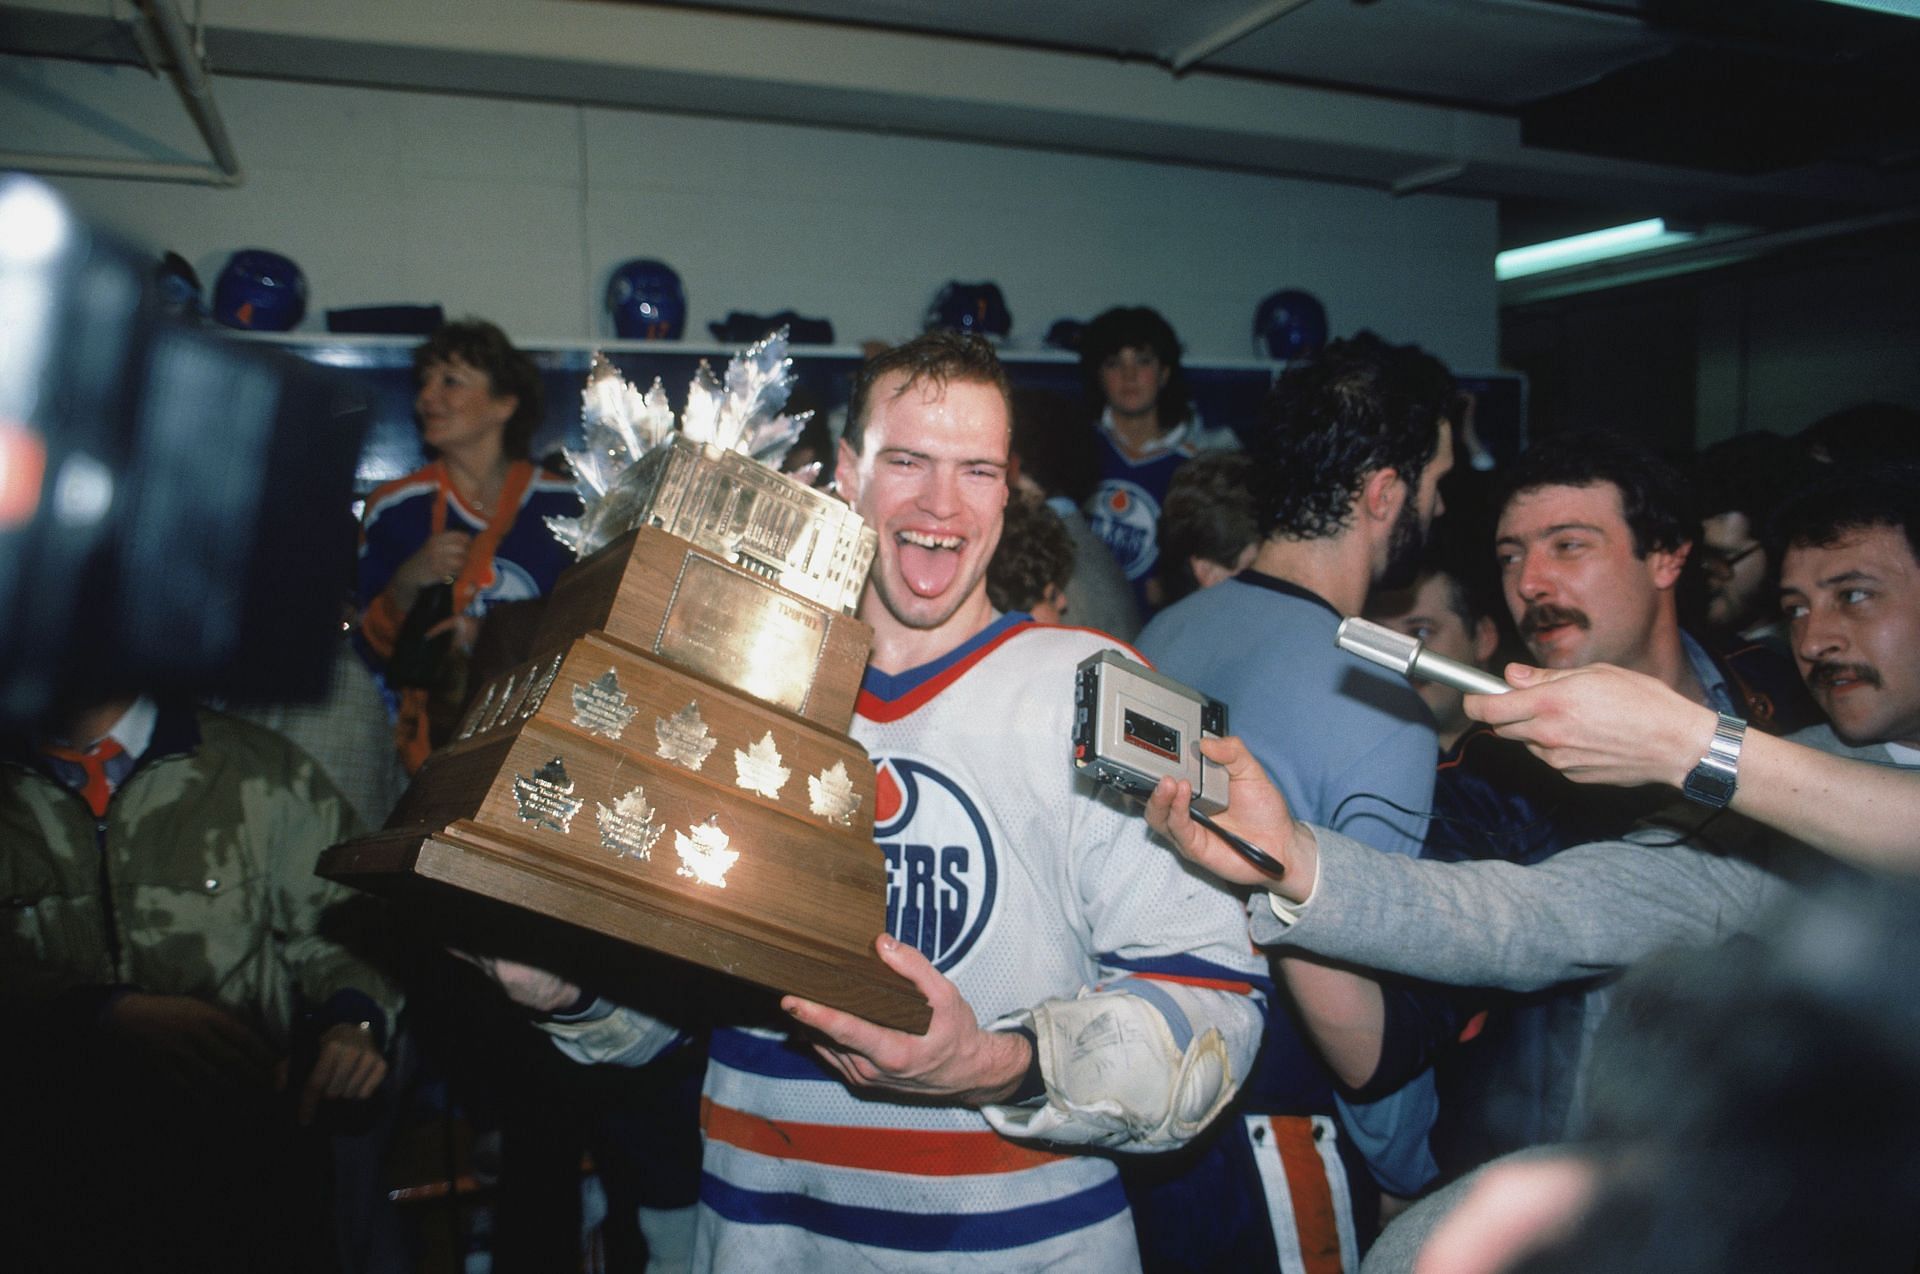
(1116, 1077)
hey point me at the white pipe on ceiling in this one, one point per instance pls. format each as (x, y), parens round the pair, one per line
(124, 169)
(1238, 29)
(190, 77)
(156, 18)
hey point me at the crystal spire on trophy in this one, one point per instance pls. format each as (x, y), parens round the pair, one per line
(672, 769)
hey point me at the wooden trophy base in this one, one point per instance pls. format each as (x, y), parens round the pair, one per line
(466, 859)
(605, 788)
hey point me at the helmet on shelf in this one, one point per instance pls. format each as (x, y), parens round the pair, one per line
(647, 301)
(260, 291)
(741, 328)
(179, 287)
(1289, 324)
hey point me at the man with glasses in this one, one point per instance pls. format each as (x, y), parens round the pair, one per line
(1739, 482)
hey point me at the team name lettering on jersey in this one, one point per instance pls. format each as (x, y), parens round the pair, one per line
(942, 873)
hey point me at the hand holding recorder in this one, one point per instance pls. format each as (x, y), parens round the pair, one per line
(1136, 730)
(1259, 817)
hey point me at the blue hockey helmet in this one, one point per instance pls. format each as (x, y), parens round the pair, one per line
(647, 301)
(1289, 324)
(976, 308)
(260, 291)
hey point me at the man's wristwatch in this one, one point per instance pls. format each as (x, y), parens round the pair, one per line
(1713, 780)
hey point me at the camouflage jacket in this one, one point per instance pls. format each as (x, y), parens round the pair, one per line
(199, 881)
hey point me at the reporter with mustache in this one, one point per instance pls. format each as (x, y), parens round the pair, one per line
(1592, 540)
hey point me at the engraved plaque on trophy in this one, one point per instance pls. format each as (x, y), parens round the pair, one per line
(672, 771)
(671, 598)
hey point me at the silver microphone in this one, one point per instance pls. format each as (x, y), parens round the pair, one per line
(1410, 657)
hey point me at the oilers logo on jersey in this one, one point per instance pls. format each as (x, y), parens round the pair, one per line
(1125, 515)
(507, 581)
(941, 869)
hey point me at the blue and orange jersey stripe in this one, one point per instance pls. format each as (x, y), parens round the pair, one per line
(1189, 971)
(888, 697)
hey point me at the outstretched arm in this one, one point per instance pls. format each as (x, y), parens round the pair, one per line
(1342, 1010)
(1344, 1013)
(1590, 909)
(1601, 724)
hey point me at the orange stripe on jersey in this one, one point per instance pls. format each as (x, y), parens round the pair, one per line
(422, 479)
(912, 1151)
(1313, 1211)
(1217, 984)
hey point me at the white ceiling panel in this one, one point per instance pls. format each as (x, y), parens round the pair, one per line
(1494, 53)
(1497, 53)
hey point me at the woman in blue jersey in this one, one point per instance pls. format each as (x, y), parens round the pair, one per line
(1130, 360)
(474, 518)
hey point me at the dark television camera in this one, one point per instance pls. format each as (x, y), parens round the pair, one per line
(173, 501)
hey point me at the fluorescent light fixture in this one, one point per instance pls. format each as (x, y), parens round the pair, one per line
(1580, 249)
(1899, 8)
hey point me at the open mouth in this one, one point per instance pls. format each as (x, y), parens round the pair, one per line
(929, 562)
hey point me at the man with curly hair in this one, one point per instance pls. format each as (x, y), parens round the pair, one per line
(1032, 563)
(1345, 484)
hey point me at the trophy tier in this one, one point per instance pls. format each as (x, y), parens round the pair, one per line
(664, 596)
(673, 773)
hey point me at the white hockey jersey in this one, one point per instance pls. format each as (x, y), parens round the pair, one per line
(1020, 884)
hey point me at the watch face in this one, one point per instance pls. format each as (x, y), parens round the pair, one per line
(1710, 784)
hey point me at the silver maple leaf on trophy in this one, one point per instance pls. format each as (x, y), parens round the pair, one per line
(712, 480)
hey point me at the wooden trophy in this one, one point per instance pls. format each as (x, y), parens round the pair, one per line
(672, 771)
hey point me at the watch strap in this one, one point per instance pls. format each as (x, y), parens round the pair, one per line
(1716, 776)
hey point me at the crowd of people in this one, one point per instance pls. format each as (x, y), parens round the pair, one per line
(1411, 1045)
